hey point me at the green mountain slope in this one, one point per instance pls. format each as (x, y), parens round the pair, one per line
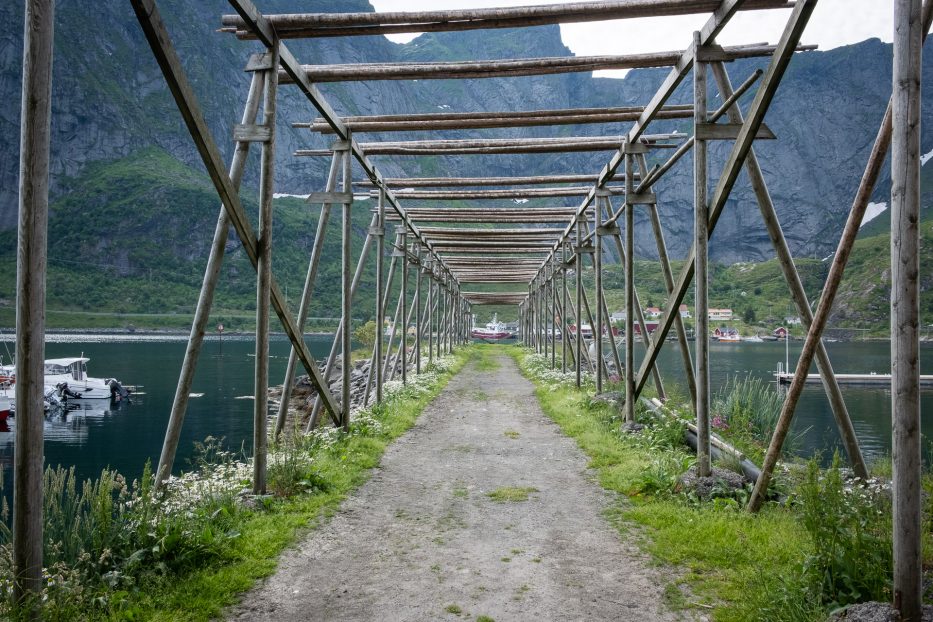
(132, 237)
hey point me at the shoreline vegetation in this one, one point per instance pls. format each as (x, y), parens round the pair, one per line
(119, 550)
(823, 541)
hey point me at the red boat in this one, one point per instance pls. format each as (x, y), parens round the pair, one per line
(493, 330)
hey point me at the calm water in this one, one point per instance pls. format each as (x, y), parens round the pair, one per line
(126, 437)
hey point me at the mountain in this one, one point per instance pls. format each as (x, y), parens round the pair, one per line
(111, 108)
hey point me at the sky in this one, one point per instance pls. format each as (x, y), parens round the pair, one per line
(834, 23)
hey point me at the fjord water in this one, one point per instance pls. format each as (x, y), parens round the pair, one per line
(126, 436)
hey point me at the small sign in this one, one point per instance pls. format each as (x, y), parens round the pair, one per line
(220, 327)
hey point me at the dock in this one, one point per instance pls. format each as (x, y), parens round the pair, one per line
(867, 380)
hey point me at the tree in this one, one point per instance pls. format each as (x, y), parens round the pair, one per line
(366, 334)
(749, 315)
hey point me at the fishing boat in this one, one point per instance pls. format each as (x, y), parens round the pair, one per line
(493, 330)
(727, 335)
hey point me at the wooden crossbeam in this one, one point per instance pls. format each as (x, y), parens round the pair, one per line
(518, 193)
(305, 25)
(518, 67)
(442, 182)
(500, 145)
(493, 119)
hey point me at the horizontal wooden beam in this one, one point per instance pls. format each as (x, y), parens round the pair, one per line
(305, 25)
(494, 119)
(500, 145)
(443, 182)
(517, 67)
(514, 193)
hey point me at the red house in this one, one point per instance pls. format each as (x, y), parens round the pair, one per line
(780, 332)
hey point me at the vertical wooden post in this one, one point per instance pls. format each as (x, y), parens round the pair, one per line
(206, 297)
(406, 264)
(419, 276)
(905, 309)
(346, 298)
(264, 278)
(386, 291)
(552, 309)
(598, 278)
(306, 293)
(430, 267)
(629, 293)
(380, 311)
(578, 274)
(564, 333)
(31, 264)
(701, 235)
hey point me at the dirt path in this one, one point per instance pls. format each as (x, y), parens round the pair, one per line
(423, 540)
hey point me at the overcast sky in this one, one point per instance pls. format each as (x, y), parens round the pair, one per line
(834, 23)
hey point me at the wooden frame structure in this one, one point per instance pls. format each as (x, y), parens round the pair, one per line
(528, 257)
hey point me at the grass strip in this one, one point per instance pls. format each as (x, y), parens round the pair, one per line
(340, 469)
(736, 566)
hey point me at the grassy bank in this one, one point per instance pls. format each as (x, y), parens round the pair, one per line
(120, 551)
(826, 545)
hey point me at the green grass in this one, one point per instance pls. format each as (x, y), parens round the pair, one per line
(485, 360)
(734, 563)
(455, 609)
(507, 494)
(204, 593)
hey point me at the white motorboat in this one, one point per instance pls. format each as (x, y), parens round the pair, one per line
(69, 377)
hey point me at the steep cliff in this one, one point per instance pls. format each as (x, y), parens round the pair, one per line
(110, 101)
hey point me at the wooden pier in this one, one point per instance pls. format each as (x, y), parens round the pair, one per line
(866, 380)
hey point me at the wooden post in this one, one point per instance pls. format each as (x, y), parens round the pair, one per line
(431, 312)
(701, 240)
(598, 279)
(206, 297)
(578, 274)
(380, 311)
(306, 293)
(419, 276)
(406, 264)
(31, 264)
(552, 315)
(346, 297)
(905, 310)
(564, 333)
(264, 278)
(387, 289)
(629, 294)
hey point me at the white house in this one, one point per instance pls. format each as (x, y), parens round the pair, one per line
(685, 311)
(720, 315)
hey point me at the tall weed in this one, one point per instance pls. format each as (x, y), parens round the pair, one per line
(850, 525)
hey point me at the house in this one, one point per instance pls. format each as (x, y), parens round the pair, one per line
(792, 321)
(652, 312)
(617, 317)
(720, 315)
(780, 332)
(649, 326)
(684, 311)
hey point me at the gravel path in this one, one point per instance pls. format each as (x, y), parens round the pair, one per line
(423, 540)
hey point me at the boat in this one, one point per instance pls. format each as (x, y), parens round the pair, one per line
(726, 335)
(5, 403)
(493, 330)
(753, 339)
(69, 377)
